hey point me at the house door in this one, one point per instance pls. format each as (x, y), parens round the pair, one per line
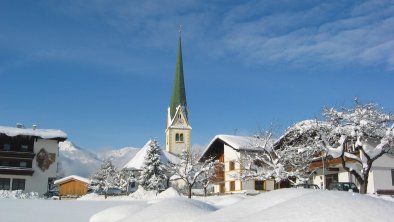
(221, 188)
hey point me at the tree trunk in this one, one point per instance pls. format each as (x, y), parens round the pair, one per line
(205, 191)
(190, 191)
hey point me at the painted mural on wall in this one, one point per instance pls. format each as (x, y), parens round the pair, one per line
(45, 159)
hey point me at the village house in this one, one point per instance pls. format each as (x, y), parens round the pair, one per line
(29, 158)
(229, 150)
(328, 170)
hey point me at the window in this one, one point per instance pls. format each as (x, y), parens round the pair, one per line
(18, 184)
(392, 177)
(24, 147)
(23, 164)
(5, 183)
(179, 137)
(232, 185)
(231, 165)
(259, 185)
(5, 163)
(7, 147)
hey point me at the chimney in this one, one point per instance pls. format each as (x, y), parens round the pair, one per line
(34, 126)
(19, 125)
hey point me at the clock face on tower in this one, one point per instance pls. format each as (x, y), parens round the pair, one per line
(180, 120)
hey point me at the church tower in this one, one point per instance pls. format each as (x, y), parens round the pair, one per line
(178, 128)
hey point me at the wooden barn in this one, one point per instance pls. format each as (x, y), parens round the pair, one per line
(72, 186)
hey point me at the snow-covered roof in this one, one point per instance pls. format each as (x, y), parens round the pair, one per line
(72, 177)
(238, 142)
(42, 133)
(138, 160)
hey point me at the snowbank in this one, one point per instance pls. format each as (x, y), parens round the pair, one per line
(142, 194)
(305, 205)
(169, 193)
(169, 209)
(116, 213)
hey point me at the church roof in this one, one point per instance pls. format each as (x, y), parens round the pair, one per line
(178, 97)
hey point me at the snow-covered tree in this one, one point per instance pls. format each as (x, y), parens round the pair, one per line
(358, 136)
(191, 170)
(105, 178)
(126, 177)
(153, 175)
(284, 159)
(363, 134)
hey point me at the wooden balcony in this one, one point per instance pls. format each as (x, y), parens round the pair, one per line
(16, 171)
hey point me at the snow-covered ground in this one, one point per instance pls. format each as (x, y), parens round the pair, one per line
(279, 205)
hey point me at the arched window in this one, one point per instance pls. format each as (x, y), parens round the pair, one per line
(177, 137)
(181, 137)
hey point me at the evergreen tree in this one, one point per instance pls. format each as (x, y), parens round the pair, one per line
(153, 176)
(126, 177)
(105, 178)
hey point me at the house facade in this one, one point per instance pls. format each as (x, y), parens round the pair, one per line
(29, 158)
(229, 150)
(381, 175)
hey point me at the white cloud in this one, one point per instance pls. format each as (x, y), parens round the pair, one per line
(317, 35)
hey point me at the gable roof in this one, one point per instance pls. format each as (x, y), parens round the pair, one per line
(138, 160)
(41, 133)
(238, 143)
(172, 124)
(72, 177)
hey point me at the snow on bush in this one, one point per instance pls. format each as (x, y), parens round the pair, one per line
(142, 194)
(170, 192)
(18, 194)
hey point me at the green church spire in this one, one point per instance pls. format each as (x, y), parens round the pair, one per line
(178, 92)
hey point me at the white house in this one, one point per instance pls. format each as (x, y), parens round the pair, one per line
(229, 149)
(381, 176)
(29, 158)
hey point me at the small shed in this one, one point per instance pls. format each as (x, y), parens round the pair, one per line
(72, 186)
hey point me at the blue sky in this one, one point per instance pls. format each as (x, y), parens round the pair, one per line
(102, 70)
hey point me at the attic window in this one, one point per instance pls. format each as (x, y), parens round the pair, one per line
(179, 116)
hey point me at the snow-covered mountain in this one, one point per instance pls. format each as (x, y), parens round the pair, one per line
(77, 161)
(119, 157)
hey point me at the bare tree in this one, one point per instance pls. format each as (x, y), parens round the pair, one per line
(190, 170)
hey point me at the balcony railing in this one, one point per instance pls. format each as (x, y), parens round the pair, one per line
(17, 154)
(16, 170)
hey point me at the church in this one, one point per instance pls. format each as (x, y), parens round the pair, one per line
(178, 128)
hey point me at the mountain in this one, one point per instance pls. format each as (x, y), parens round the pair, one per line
(78, 161)
(119, 157)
